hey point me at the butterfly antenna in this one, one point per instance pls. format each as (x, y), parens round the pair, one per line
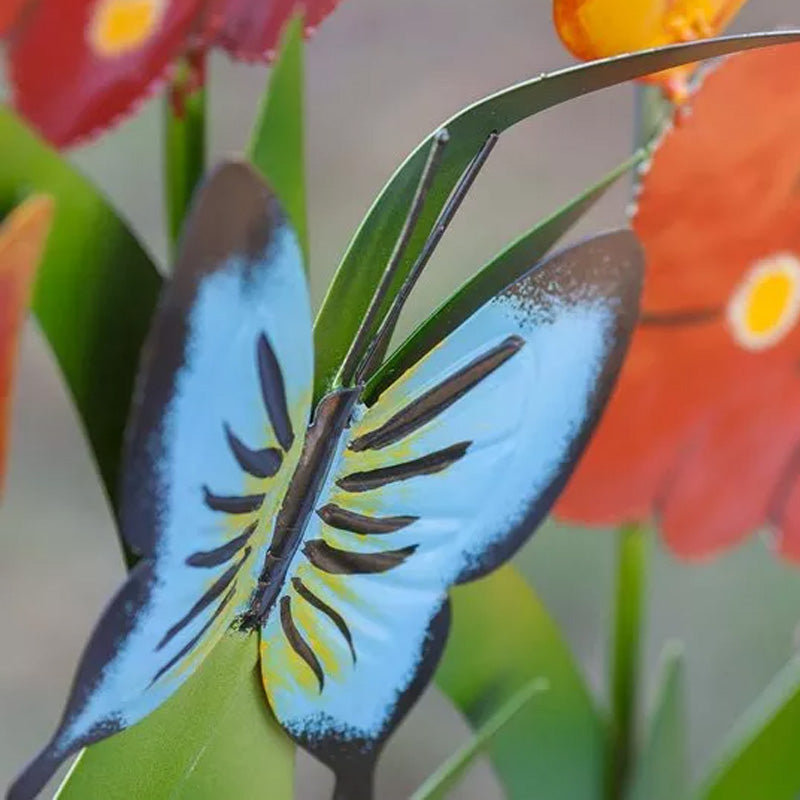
(356, 351)
(377, 346)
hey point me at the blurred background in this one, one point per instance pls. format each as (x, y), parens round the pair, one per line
(381, 74)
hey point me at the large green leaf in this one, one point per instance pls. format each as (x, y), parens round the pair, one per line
(360, 271)
(452, 771)
(214, 738)
(660, 771)
(502, 638)
(759, 758)
(95, 290)
(493, 278)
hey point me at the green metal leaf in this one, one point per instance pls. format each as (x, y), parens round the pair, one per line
(95, 290)
(277, 144)
(185, 111)
(653, 112)
(661, 770)
(759, 758)
(214, 738)
(493, 278)
(370, 250)
(502, 638)
(438, 785)
(631, 577)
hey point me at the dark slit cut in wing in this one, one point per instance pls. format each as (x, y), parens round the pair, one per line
(245, 504)
(335, 617)
(426, 465)
(273, 391)
(216, 589)
(298, 643)
(344, 520)
(219, 555)
(344, 562)
(433, 402)
(258, 463)
(190, 645)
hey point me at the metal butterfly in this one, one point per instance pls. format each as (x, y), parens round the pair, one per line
(333, 532)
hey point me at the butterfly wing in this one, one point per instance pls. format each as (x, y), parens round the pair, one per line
(222, 402)
(103, 57)
(438, 481)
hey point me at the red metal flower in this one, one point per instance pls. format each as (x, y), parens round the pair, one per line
(77, 66)
(704, 428)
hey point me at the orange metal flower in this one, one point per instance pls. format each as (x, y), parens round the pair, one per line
(78, 66)
(22, 239)
(704, 427)
(599, 28)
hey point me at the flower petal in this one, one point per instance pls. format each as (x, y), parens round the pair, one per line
(251, 31)
(22, 238)
(722, 190)
(599, 28)
(77, 66)
(724, 487)
(10, 11)
(672, 379)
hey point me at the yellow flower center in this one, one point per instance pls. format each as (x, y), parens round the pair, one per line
(766, 304)
(120, 26)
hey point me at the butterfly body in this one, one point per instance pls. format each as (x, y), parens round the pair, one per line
(335, 532)
(323, 438)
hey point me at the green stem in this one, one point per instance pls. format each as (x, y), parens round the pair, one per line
(185, 139)
(631, 567)
(653, 111)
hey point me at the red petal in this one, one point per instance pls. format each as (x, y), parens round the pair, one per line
(67, 86)
(726, 487)
(671, 381)
(9, 13)
(251, 30)
(698, 427)
(722, 190)
(22, 238)
(786, 520)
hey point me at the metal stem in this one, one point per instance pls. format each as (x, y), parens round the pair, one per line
(376, 347)
(356, 351)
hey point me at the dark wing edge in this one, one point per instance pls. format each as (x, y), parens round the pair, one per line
(618, 268)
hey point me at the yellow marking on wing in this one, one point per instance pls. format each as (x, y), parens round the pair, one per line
(318, 631)
(283, 669)
(335, 585)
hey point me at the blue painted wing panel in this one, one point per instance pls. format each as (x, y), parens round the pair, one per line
(220, 413)
(437, 482)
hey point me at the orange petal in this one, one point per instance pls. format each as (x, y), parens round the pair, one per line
(77, 66)
(22, 239)
(600, 28)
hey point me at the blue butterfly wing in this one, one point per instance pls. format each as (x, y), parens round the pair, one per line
(436, 482)
(219, 416)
